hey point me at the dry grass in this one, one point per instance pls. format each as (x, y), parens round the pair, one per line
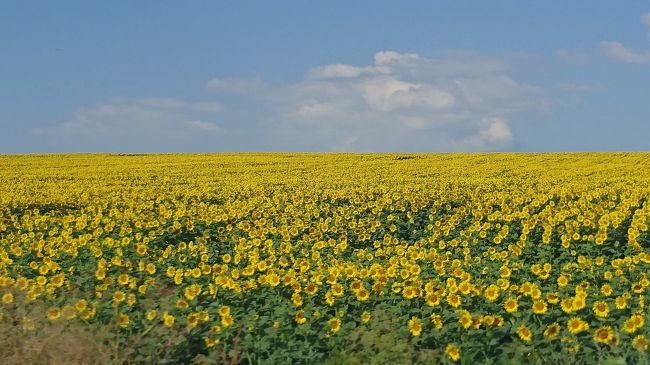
(51, 344)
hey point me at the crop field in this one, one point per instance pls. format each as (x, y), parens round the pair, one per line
(325, 258)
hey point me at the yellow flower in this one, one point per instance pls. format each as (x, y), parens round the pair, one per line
(576, 325)
(362, 295)
(552, 331)
(168, 319)
(300, 317)
(7, 298)
(366, 317)
(53, 314)
(119, 296)
(151, 314)
(81, 305)
(603, 334)
(415, 326)
(465, 319)
(539, 307)
(640, 343)
(123, 320)
(601, 309)
(334, 324)
(123, 279)
(453, 352)
(68, 312)
(492, 293)
(524, 333)
(511, 305)
(567, 305)
(181, 304)
(638, 319)
(606, 289)
(453, 300)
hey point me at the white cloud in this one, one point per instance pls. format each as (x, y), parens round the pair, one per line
(339, 70)
(142, 125)
(619, 52)
(207, 107)
(401, 101)
(392, 58)
(203, 126)
(388, 93)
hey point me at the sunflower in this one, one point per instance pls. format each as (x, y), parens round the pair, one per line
(453, 352)
(432, 300)
(123, 320)
(168, 319)
(577, 325)
(436, 319)
(579, 303)
(465, 319)
(453, 300)
(552, 331)
(511, 305)
(362, 295)
(119, 296)
(7, 298)
(606, 289)
(604, 334)
(415, 326)
(53, 314)
(193, 320)
(123, 279)
(492, 293)
(540, 307)
(334, 325)
(366, 317)
(224, 310)
(601, 309)
(562, 281)
(68, 312)
(620, 302)
(300, 317)
(227, 321)
(524, 333)
(567, 305)
(640, 343)
(151, 315)
(638, 320)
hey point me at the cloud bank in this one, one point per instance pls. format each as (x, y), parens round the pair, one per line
(401, 101)
(396, 102)
(152, 124)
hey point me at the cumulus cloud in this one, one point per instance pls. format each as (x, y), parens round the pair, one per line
(619, 52)
(155, 124)
(400, 101)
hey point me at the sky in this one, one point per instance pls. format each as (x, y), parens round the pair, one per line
(370, 76)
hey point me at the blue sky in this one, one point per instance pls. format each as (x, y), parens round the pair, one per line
(208, 76)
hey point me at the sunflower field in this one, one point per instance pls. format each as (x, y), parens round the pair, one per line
(325, 258)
